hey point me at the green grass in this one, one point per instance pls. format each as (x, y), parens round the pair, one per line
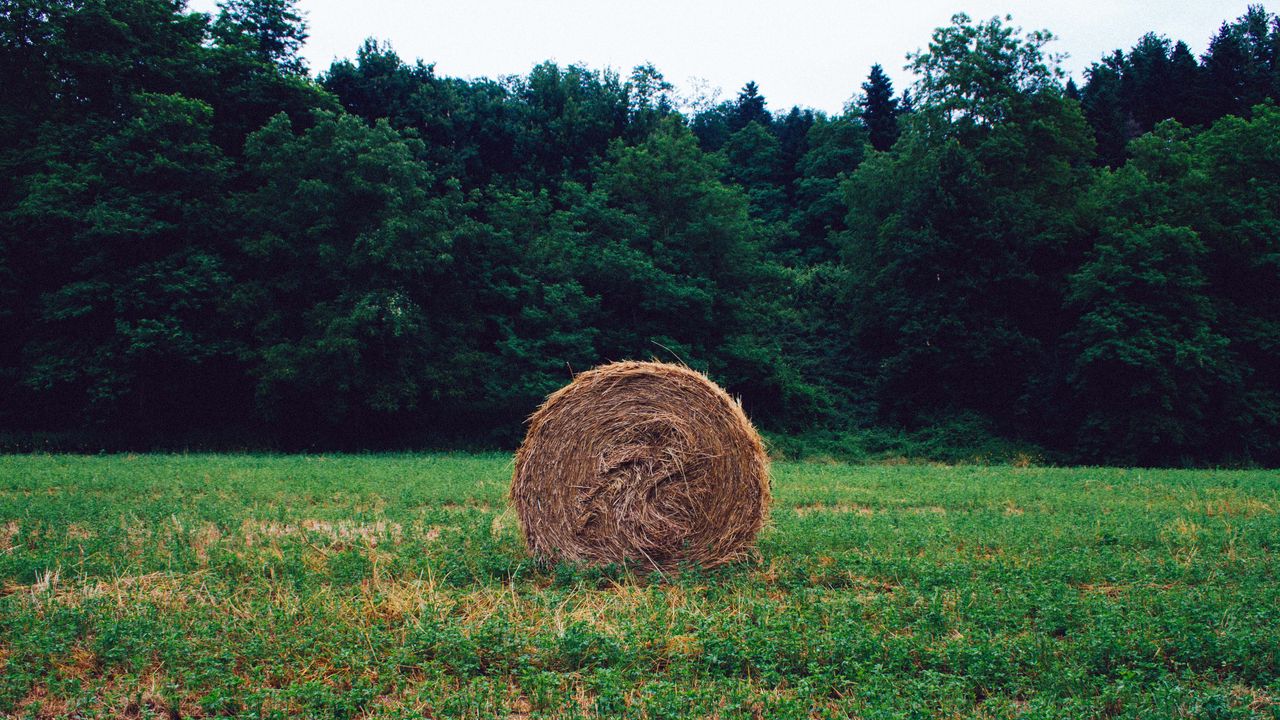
(397, 586)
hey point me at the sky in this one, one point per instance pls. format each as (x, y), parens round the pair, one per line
(813, 54)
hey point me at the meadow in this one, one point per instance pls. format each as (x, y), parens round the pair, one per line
(397, 586)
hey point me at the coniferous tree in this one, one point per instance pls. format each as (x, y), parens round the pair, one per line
(1187, 87)
(1103, 103)
(792, 132)
(1146, 82)
(1241, 63)
(880, 109)
(749, 108)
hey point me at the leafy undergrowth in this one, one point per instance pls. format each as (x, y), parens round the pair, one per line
(397, 586)
(964, 439)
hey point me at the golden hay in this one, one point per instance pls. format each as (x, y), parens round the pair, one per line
(641, 463)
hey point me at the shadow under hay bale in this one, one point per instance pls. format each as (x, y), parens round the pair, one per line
(643, 463)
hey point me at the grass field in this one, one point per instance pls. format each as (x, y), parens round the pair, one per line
(397, 586)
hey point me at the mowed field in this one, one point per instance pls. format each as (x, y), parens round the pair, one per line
(393, 586)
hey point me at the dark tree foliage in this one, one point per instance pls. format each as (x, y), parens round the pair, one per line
(1173, 300)
(347, 288)
(753, 159)
(711, 125)
(792, 132)
(714, 124)
(206, 246)
(649, 99)
(960, 237)
(1241, 63)
(461, 142)
(1104, 107)
(1187, 88)
(835, 148)
(272, 31)
(567, 118)
(125, 280)
(1128, 94)
(880, 109)
(749, 108)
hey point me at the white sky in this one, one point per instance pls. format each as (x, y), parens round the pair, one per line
(814, 54)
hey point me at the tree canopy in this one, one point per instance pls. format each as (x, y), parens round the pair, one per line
(208, 246)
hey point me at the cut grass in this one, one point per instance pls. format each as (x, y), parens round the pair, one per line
(397, 586)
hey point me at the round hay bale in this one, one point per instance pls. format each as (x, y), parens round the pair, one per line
(641, 463)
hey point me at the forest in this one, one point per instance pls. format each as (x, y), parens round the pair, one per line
(208, 244)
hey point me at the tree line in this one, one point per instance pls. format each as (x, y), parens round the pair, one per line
(207, 245)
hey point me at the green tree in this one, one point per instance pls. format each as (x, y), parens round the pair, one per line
(1147, 82)
(753, 160)
(254, 72)
(835, 148)
(566, 118)
(1148, 365)
(1227, 194)
(792, 133)
(960, 237)
(354, 309)
(471, 127)
(710, 125)
(649, 99)
(542, 324)
(973, 74)
(273, 31)
(1187, 87)
(1103, 104)
(124, 264)
(673, 266)
(1241, 63)
(749, 108)
(378, 85)
(879, 109)
(1176, 304)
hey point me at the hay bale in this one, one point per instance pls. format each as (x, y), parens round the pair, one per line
(641, 463)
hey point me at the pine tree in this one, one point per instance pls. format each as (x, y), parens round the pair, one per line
(880, 109)
(1242, 63)
(1145, 84)
(1186, 81)
(1105, 109)
(749, 108)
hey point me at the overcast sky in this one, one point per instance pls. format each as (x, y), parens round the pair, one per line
(813, 54)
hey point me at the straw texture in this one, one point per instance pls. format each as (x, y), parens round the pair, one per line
(641, 463)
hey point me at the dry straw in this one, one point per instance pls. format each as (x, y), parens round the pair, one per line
(641, 463)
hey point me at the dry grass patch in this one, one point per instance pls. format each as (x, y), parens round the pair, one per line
(1227, 503)
(8, 532)
(339, 532)
(851, 508)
